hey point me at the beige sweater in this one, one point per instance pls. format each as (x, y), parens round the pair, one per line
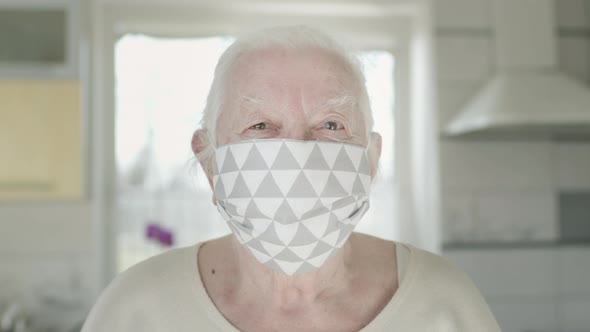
(165, 293)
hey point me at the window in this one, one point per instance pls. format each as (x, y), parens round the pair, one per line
(163, 198)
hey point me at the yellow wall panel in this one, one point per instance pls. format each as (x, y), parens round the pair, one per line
(40, 140)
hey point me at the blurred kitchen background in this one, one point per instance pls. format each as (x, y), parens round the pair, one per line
(484, 106)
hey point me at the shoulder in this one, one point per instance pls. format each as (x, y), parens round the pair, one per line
(143, 290)
(155, 273)
(437, 286)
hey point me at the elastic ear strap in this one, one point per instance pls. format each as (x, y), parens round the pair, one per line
(211, 140)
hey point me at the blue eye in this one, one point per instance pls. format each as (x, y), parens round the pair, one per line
(259, 126)
(331, 125)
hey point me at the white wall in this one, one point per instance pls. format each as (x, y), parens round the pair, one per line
(508, 190)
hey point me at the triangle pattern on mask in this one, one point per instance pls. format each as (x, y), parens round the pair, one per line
(239, 205)
(226, 209)
(245, 237)
(248, 224)
(318, 208)
(285, 160)
(319, 260)
(240, 189)
(358, 188)
(261, 257)
(219, 189)
(285, 179)
(343, 236)
(253, 179)
(271, 248)
(240, 151)
(220, 154)
(303, 237)
(344, 212)
(262, 225)
(268, 206)
(330, 151)
(270, 235)
(318, 179)
(287, 255)
(255, 244)
(269, 150)
(268, 188)
(333, 224)
(366, 180)
(346, 179)
(284, 214)
(301, 205)
(333, 188)
(229, 164)
(355, 153)
(316, 160)
(288, 267)
(229, 180)
(343, 162)
(252, 210)
(287, 232)
(344, 202)
(304, 251)
(304, 268)
(254, 161)
(364, 166)
(300, 152)
(317, 225)
(301, 188)
(320, 249)
(332, 238)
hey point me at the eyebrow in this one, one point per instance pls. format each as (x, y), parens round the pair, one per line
(335, 102)
(339, 101)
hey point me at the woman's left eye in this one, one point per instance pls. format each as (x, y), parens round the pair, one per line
(331, 125)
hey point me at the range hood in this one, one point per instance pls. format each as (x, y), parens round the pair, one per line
(528, 98)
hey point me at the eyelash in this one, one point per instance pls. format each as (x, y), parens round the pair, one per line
(264, 126)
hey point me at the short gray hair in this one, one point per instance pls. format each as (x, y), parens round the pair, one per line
(288, 37)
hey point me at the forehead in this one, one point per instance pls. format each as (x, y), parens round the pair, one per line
(273, 72)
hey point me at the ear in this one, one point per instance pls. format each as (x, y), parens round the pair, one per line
(375, 152)
(200, 143)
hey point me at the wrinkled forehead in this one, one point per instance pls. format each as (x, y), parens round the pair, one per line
(275, 72)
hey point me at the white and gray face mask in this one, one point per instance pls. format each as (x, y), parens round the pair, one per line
(292, 203)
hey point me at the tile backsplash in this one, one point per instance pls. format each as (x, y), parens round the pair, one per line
(574, 216)
(515, 191)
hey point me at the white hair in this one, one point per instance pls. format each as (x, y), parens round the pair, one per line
(289, 37)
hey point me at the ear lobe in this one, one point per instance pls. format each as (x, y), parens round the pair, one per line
(199, 143)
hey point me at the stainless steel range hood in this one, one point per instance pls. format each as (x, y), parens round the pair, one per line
(528, 98)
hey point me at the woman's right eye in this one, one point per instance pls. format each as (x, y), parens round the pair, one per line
(259, 126)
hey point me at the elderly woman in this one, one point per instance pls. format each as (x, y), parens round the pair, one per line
(286, 144)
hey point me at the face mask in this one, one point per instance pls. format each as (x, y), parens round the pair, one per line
(293, 204)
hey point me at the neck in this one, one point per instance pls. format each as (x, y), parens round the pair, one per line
(289, 293)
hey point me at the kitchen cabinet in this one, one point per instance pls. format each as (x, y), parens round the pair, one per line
(40, 140)
(39, 39)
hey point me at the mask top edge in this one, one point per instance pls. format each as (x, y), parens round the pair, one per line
(270, 140)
